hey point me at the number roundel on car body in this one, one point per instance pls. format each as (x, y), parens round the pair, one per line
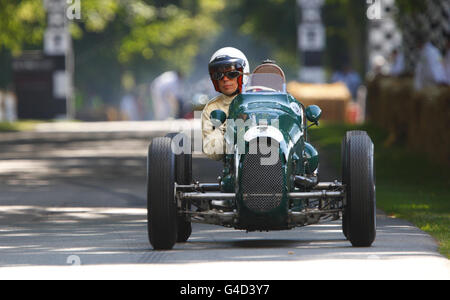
(295, 108)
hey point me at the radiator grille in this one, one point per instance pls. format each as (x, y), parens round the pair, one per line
(262, 185)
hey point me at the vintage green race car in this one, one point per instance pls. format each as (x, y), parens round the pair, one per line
(270, 173)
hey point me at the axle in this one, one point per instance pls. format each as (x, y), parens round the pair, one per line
(230, 196)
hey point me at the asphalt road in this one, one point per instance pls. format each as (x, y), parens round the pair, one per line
(73, 206)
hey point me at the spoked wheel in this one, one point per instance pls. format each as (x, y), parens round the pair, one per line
(161, 202)
(359, 217)
(183, 167)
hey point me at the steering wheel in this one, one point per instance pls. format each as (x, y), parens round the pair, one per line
(259, 88)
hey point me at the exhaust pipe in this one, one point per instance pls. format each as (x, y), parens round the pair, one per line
(305, 182)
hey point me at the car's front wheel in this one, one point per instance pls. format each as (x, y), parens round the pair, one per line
(359, 222)
(344, 171)
(161, 202)
(183, 176)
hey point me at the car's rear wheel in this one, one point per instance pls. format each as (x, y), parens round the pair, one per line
(161, 202)
(359, 220)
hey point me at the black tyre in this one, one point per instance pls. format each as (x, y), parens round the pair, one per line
(161, 203)
(183, 161)
(184, 230)
(344, 172)
(183, 167)
(359, 222)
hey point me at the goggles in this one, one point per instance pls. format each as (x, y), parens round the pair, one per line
(230, 75)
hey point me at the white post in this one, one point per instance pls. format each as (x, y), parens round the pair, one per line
(58, 44)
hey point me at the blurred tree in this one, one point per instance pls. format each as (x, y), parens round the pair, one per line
(272, 23)
(5, 68)
(21, 27)
(142, 37)
(346, 30)
(139, 38)
(22, 24)
(410, 6)
(146, 37)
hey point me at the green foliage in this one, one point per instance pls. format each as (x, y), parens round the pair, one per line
(138, 39)
(345, 22)
(27, 125)
(173, 35)
(159, 33)
(168, 32)
(410, 6)
(21, 24)
(272, 23)
(145, 37)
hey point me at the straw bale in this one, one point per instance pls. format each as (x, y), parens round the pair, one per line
(420, 119)
(331, 98)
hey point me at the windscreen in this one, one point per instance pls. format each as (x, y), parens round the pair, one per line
(265, 82)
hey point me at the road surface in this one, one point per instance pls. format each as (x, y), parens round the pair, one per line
(73, 206)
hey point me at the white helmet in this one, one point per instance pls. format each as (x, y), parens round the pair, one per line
(226, 58)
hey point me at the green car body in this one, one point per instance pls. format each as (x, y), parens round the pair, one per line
(295, 157)
(270, 173)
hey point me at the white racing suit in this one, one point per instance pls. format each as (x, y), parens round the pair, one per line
(213, 138)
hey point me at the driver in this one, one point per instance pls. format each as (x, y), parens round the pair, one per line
(227, 68)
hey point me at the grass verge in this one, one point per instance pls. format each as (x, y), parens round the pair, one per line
(26, 125)
(409, 186)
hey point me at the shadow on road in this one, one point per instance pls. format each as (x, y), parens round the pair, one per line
(63, 196)
(48, 236)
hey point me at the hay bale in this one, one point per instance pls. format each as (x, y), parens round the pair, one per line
(420, 119)
(435, 121)
(331, 98)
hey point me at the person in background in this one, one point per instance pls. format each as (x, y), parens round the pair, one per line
(398, 62)
(10, 106)
(227, 69)
(129, 107)
(430, 68)
(348, 76)
(166, 95)
(447, 57)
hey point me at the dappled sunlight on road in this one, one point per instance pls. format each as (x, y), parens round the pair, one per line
(69, 198)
